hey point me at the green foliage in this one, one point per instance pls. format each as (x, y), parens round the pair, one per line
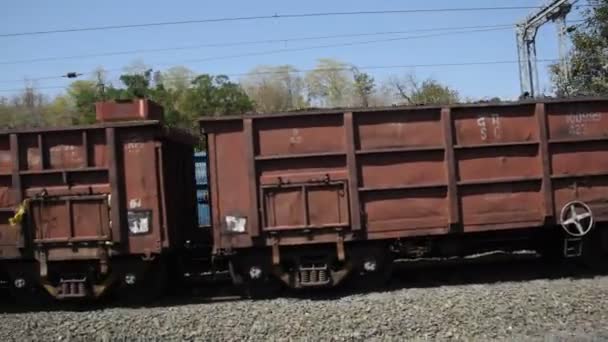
(330, 84)
(214, 96)
(186, 96)
(23, 110)
(427, 92)
(588, 60)
(364, 86)
(183, 100)
(137, 85)
(83, 95)
(176, 78)
(59, 112)
(275, 89)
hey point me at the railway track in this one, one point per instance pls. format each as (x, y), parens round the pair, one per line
(489, 268)
(492, 297)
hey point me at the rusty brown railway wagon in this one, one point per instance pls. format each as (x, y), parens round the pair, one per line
(104, 205)
(310, 197)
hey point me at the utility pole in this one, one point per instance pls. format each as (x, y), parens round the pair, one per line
(556, 11)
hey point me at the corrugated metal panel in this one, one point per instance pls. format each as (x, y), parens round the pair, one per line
(202, 195)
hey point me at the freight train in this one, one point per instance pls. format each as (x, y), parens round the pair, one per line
(307, 200)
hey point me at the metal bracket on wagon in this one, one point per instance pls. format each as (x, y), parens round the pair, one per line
(148, 256)
(576, 219)
(276, 256)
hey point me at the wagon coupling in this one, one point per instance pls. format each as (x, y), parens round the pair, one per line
(576, 219)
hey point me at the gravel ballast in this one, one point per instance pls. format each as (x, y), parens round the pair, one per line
(537, 310)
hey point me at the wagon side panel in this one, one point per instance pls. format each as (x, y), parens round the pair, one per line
(302, 173)
(230, 162)
(578, 146)
(499, 167)
(402, 172)
(142, 169)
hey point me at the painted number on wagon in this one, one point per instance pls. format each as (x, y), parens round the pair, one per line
(134, 147)
(578, 122)
(70, 153)
(489, 126)
(295, 137)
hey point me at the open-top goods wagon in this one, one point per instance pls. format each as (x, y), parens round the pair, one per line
(307, 198)
(311, 197)
(91, 207)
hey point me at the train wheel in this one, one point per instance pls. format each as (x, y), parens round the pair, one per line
(30, 295)
(150, 287)
(252, 279)
(373, 271)
(265, 289)
(375, 280)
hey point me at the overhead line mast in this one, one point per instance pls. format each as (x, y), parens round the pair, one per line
(555, 11)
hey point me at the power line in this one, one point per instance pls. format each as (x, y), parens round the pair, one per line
(338, 45)
(242, 43)
(373, 67)
(270, 52)
(266, 17)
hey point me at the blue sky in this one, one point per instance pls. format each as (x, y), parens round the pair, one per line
(471, 81)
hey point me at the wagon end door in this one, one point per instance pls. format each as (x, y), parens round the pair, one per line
(71, 219)
(303, 169)
(305, 205)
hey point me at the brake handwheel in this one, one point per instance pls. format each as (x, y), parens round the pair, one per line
(576, 219)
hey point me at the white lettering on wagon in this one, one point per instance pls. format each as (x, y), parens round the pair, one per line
(134, 147)
(577, 123)
(295, 138)
(135, 203)
(69, 153)
(489, 127)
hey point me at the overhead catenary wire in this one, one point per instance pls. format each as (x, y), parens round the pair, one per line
(270, 52)
(376, 67)
(266, 17)
(247, 42)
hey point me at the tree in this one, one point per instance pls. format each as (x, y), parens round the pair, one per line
(330, 84)
(275, 89)
(138, 84)
(32, 103)
(588, 59)
(59, 112)
(168, 89)
(83, 95)
(137, 67)
(413, 92)
(213, 96)
(29, 108)
(177, 78)
(364, 87)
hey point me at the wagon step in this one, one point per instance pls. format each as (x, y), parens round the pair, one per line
(207, 276)
(573, 247)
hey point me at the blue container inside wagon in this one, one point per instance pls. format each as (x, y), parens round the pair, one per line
(202, 188)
